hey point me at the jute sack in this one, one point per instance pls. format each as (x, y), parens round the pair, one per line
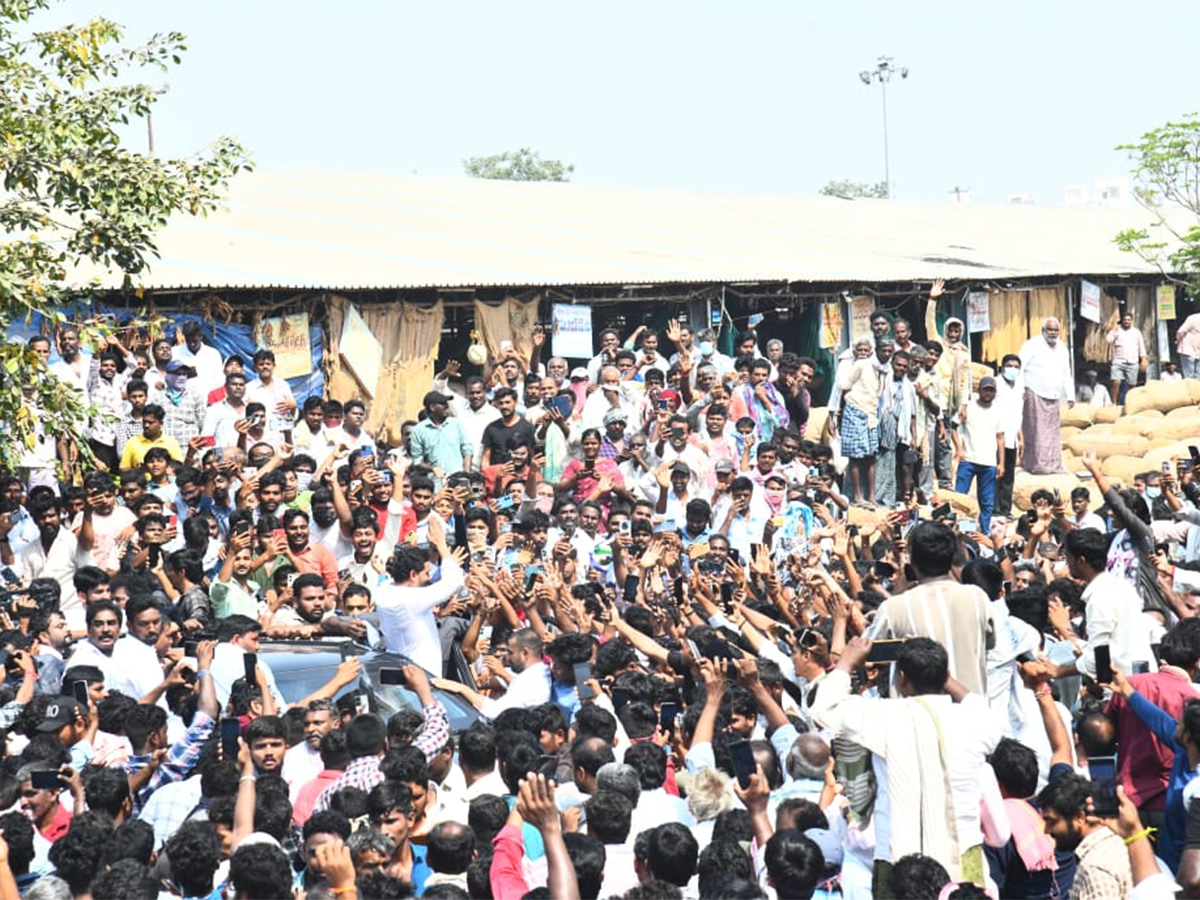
(1108, 414)
(1024, 485)
(1107, 445)
(1161, 395)
(1081, 415)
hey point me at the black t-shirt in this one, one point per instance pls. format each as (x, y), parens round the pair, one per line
(498, 438)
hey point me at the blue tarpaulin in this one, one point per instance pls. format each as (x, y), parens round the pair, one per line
(228, 339)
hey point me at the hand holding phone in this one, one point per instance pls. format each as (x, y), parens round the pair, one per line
(250, 661)
(744, 766)
(583, 674)
(231, 731)
(1104, 674)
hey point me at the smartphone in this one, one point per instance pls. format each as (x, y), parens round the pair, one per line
(940, 512)
(694, 649)
(666, 717)
(356, 485)
(679, 590)
(1103, 772)
(1008, 589)
(727, 595)
(562, 404)
(531, 575)
(744, 765)
(391, 676)
(1027, 657)
(506, 528)
(290, 580)
(241, 527)
(257, 420)
(967, 526)
(80, 690)
(663, 404)
(250, 662)
(735, 555)
(1057, 498)
(505, 502)
(1104, 673)
(1194, 452)
(1166, 467)
(279, 535)
(624, 526)
(883, 569)
(231, 730)
(1140, 667)
(884, 651)
(667, 527)
(589, 465)
(45, 781)
(207, 441)
(583, 674)
(620, 698)
(631, 586)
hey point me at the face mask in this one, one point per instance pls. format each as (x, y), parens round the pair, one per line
(706, 348)
(775, 498)
(1010, 374)
(303, 480)
(324, 516)
(1153, 493)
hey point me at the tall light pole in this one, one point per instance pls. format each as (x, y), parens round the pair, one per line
(884, 69)
(150, 119)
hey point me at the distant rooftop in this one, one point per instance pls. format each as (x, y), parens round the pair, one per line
(331, 230)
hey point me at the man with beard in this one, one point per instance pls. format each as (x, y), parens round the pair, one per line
(761, 401)
(473, 413)
(528, 678)
(1103, 868)
(75, 365)
(302, 763)
(306, 557)
(135, 668)
(51, 639)
(1046, 366)
(498, 436)
(105, 383)
(440, 442)
(56, 553)
(104, 521)
(365, 565)
(104, 619)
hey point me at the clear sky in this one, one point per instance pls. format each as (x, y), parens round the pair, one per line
(751, 97)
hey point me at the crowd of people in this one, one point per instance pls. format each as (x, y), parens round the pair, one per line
(711, 641)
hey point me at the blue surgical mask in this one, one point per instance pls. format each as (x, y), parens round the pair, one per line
(1010, 373)
(706, 348)
(1153, 493)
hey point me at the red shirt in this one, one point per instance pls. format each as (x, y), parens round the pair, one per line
(1144, 762)
(58, 827)
(307, 796)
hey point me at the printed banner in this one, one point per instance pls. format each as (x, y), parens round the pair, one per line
(1089, 301)
(831, 324)
(860, 317)
(1166, 301)
(978, 317)
(287, 337)
(572, 336)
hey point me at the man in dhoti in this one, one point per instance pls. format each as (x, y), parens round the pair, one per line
(1046, 367)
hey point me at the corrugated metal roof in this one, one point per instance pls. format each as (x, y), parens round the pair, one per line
(312, 230)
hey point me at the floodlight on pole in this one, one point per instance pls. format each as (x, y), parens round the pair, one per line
(884, 69)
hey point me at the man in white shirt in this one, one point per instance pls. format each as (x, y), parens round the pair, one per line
(406, 605)
(1112, 611)
(56, 553)
(221, 417)
(74, 365)
(1046, 365)
(204, 360)
(1091, 391)
(1010, 397)
(530, 684)
(1081, 503)
(302, 763)
(979, 449)
(273, 393)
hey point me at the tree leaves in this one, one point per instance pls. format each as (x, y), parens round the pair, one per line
(75, 200)
(519, 165)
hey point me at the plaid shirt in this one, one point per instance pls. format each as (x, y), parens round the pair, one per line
(126, 428)
(170, 807)
(362, 773)
(1104, 870)
(436, 732)
(184, 419)
(180, 760)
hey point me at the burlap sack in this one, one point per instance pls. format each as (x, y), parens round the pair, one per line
(1181, 429)
(1108, 414)
(1184, 412)
(817, 417)
(1080, 415)
(1107, 445)
(1161, 395)
(1142, 423)
(1069, 431)
(1123, 468)
(1024, 485)
(962, 504)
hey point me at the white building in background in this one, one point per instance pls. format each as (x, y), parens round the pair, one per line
(1106, 193)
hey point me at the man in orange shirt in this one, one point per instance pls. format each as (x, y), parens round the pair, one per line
(306, 556)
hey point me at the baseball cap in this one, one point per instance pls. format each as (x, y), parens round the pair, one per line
(62, 711)
(435, 397)
(682, 468)
(580, 374)
(723, 466)
(176, 366)
(986, 382)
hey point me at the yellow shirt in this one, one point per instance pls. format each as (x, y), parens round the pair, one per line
(136, 447)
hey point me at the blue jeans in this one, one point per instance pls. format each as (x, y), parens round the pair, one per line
(1189, 366)
(985, 490)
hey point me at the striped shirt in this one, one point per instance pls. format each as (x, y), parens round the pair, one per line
(957, 616)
